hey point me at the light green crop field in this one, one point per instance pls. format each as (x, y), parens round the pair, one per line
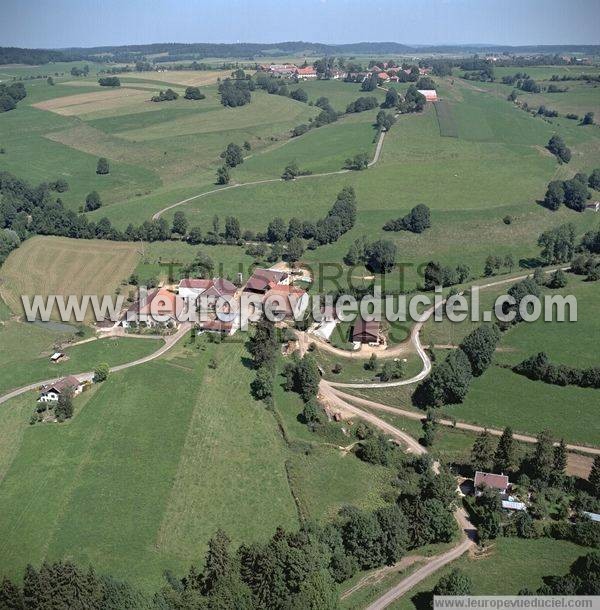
(500, 397)
(156, 459)
(497, 166)
(57, 70)
(161, 258)
(571, 343)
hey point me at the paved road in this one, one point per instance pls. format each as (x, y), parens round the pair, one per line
(170, 341)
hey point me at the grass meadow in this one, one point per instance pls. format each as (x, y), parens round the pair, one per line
(156, 459)
(28, 347)
(500, 397)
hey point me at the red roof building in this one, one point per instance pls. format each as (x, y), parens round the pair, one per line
(285, 300)
(489, 479)
(308, 72)
(365, 331)
(263, 280)
(430, 94)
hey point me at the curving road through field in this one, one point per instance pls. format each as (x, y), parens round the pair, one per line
(170, 341)
(375, 160)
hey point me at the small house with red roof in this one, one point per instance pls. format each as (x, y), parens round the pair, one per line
(285, 301)
(430, 94)
(159, 307)
(499, 482)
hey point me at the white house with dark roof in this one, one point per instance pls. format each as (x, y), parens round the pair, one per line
(52, 391)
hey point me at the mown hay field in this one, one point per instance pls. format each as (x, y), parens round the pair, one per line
(180, 77)
(85, 103)
(62, 266)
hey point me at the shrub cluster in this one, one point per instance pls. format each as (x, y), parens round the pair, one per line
(165, 96)
(450, 380)
(573, 193)
(556, 145)
(417, 220)
(109, 81)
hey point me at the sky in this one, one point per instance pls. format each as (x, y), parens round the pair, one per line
(66, 23)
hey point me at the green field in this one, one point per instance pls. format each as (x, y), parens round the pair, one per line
(445, 119)
(27, 348)
(163, 153)
(512, 564)
(150, 466)
(161, 455)
(500, 397)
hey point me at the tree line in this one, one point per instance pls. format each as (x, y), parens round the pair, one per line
(450, 379)
(539, 367)
(11, 95)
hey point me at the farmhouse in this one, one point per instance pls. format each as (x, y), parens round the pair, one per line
(306, 73)
(192, 288)
(498, 482)
(219, 326)
(365, 331)
(384, 77)
(286, 301)
(57, 357)
(52, 391)
(282, 69)
(357, 77)
(220, 287)
(430, 94)
(263, 280)
(157, 308)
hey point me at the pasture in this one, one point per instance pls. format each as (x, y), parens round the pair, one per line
(339, 93)
(156, 459)
(27, 349)
(500, 397)
(62, 266)
(445, 119)
(497, 167)
(571, 343)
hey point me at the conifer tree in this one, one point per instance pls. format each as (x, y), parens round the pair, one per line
(504, 458)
